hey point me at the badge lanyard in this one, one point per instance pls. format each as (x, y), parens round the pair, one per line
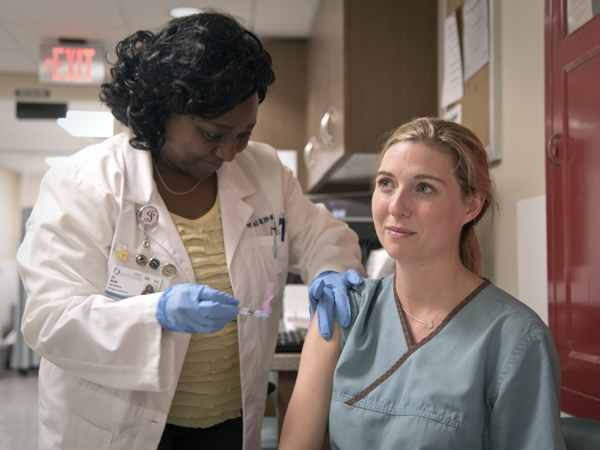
(148, 218)
(127, 276)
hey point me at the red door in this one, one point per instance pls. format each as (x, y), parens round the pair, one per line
(572, 67)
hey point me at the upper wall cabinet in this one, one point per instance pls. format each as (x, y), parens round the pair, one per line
(372, 65)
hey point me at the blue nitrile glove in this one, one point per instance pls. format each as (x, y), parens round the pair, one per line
(331, 288)
(195, 308)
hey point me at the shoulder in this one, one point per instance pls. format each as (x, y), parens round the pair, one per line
(101, 165)
(507, 327)
(83, 193)
(517, 340)
(371, 286)
(503, 307)
(372, 305)
(258, 154)
(93, 155)
(369, 291)
(261, 165)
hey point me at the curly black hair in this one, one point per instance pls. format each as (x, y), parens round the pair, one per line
(202, 65)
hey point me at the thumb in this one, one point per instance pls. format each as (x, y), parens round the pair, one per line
(315, 290)
(326, 316)
(352, 278)
(207, 293)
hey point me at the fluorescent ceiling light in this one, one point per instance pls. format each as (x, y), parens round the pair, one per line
(55, 161)
(183, 11)
(88, 123)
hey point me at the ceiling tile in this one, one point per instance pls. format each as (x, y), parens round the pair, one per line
(17, 62)
(285, 18)
(57, 12)
(33, 35)
(144, 14)
(6, 40)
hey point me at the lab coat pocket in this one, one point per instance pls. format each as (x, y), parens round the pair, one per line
(263, 265)
(64, 430)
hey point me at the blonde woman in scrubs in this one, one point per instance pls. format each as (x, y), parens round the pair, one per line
(436, 357)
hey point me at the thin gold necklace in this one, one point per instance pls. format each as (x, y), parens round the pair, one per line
(167, 187)
(429, 323)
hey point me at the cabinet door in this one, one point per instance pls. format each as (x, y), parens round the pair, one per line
(375, 64)
(326, 88)
(573, 204)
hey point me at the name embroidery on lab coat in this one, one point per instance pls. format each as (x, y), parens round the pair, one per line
(260, 221)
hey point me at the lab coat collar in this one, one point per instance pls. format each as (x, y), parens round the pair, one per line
(234, 186)
(232, 176)
(140, 188)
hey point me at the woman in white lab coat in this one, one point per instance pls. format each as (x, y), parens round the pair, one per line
(184, 205)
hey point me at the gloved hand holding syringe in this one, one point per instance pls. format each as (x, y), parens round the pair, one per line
(196, 308)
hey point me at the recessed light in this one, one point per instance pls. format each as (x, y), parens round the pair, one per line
(55, 161)
(88, 123)
(184, 11)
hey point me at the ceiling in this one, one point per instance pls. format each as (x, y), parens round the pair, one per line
(26, 24)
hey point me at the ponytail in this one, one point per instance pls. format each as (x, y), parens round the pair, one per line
(470, 250)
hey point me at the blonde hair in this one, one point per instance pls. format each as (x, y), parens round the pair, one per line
(471, 169)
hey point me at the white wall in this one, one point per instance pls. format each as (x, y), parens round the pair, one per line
(533, 254)
(10, 211)
(10, 237)
(521, 174)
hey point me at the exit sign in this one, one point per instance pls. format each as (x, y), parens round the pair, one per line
(71, 65)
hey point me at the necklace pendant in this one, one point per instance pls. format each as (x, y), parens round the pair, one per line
(429, 324)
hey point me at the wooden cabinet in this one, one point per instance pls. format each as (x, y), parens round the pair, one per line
(372, 65)
(282, 116)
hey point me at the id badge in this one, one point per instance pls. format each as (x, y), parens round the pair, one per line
(133, 273)
(124, 282)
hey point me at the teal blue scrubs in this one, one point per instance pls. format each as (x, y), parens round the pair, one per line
(487, 377)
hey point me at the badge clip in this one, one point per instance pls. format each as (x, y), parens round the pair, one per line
(148, 218)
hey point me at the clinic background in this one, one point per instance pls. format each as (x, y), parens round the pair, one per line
(515, 250)
(520, 176)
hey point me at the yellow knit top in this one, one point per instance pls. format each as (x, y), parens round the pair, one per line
(209, 388)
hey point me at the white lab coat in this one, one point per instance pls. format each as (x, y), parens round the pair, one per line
(109, 371)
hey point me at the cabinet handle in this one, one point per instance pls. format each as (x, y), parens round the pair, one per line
(326, 137)
(556, 162)
(308, 149)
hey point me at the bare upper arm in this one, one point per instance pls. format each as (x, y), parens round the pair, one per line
(306, 419)
(324, 353)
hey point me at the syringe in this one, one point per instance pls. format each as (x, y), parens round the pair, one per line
(254, 313)
(264, 313)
